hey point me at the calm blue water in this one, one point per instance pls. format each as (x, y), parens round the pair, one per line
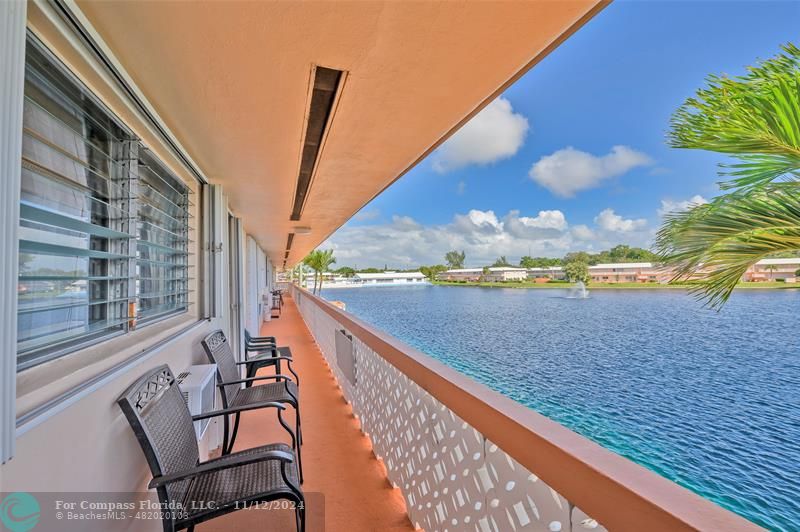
(709, 400)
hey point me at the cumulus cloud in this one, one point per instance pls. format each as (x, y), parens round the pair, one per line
(568, 171)
(668, 205)
(495, 133)
(608, 220)
(546, 224)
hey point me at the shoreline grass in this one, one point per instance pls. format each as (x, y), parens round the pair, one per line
(771, 285)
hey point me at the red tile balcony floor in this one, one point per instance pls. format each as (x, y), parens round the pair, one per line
(341, 471)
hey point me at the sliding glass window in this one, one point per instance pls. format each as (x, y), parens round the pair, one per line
(98, 232)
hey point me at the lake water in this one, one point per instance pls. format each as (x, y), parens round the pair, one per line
(709, 400)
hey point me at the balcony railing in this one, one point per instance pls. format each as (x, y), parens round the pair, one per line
(469, 458)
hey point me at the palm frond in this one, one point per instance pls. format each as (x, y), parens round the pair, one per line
(716, 242)
(754, 118)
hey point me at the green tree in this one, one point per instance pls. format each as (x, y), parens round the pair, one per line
(455, 259)
(432, 271)
(538, 262)
(501, 262)
(755, 119)
(319, 261)
(346, 271)
(577, 256)
(577, 271)
(485, 272)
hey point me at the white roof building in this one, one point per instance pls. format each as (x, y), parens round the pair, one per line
(390, 275)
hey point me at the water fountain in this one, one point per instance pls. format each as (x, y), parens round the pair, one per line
(579, 291)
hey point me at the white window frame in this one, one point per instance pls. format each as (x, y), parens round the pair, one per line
(13, 36)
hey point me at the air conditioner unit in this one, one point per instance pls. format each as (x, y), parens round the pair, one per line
(197, 384)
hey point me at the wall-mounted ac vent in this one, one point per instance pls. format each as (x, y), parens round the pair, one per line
(197, 386)
(345, 356)
(323, 97)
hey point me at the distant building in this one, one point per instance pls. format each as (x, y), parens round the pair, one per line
(390, 278)
(629, 272)
(548, 272)
(331, 280)
(773, 270)
(505, 273)
(495, 274)
(461, 274)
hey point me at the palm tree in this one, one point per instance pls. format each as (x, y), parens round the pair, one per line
(771, 269)
(754, 118)
(501, 262)
(319, 261)
(455, 259)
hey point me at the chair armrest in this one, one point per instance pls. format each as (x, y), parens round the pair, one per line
(235, 409)
(263, 340)
(260, 345)
(259, 378)
(217, 465)
(257, 338)
(262, 359)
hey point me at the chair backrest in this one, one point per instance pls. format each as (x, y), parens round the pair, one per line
(247, 336)
(219, 352)
(157, 412)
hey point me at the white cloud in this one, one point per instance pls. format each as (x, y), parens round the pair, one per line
(495, 133)
(583, 232)
(668, 205)
(483, 235)
(404, 223)
(367, 215)
(568, 170)
(461, 188)
(610, 221)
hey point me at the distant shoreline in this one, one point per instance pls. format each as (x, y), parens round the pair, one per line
(771, 285)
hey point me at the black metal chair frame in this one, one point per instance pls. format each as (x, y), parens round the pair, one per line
(219, 352)
(156, 410)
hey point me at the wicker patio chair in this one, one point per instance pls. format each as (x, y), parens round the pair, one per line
(229, 381)
(160, 419)
(266, 354)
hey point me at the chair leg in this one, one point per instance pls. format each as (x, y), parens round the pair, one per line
(299, 442)
(288, 429)
(295, 445)
(235, 430)
(300, 516)
(225, 435)
(299, 424)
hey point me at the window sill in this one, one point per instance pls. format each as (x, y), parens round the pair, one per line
(38, 385)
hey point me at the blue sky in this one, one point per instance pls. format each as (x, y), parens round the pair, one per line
(573, 155)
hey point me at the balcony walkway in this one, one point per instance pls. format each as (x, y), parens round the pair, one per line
(341, 472)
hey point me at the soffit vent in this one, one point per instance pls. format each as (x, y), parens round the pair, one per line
(323, 98)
